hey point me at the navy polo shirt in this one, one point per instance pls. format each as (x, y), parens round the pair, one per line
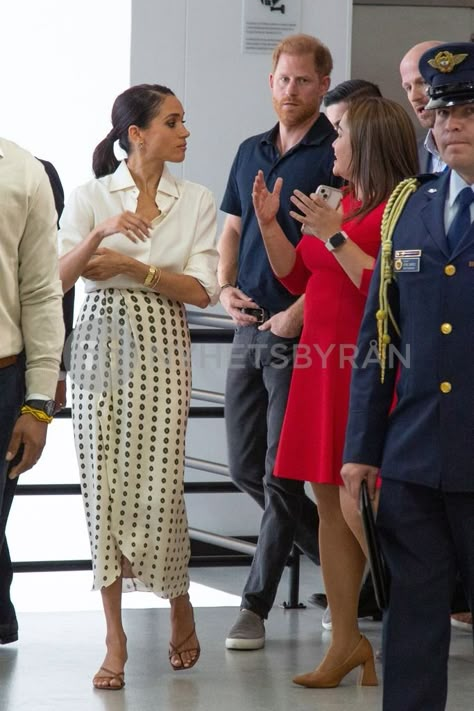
(305, 166)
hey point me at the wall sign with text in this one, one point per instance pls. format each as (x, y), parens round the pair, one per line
(266, 22)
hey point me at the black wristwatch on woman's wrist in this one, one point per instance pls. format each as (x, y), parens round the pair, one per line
(336, 241)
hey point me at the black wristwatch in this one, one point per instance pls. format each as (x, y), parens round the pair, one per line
(46, 406)
(336, 241)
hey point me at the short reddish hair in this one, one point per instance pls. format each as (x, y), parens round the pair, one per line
(305, 44)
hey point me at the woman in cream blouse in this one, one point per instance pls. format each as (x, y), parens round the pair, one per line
(144, 243)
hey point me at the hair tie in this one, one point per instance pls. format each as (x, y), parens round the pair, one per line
(111, 136)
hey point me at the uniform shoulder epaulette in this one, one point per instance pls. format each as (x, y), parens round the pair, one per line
(426, 177)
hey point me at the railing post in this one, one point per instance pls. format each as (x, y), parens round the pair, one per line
(294, 582)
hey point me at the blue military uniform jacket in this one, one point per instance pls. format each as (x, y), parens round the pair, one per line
(428, 438)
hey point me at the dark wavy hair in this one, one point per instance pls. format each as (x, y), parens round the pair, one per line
(136, 106)
(351, 88)
(384, 149)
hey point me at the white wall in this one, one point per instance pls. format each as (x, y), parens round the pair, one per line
(62, 64)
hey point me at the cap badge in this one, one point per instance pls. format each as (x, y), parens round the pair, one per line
(446, 61)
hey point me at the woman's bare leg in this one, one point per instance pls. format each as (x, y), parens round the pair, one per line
(116, 641)
(184, 645)
(342, 565)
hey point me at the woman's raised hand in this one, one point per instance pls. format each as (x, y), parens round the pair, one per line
(134, 227)
(265, 203)
(323, 221)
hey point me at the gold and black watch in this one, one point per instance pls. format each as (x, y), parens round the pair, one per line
(42, 410)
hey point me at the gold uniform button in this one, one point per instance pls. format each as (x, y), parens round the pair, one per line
(450, 270)
(445, 387)
(446, 328)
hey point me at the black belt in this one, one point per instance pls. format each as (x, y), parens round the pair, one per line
(259, 312)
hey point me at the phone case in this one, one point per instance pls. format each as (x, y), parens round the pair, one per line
(332, 196)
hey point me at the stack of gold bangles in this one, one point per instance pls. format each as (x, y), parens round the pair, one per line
(153, 277)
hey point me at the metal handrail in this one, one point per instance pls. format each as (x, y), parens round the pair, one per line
(208, 396)
(190, 487)
(212, 320)
(205, 466)
(233, 544)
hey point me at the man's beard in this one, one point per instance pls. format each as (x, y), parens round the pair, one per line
(295, 115)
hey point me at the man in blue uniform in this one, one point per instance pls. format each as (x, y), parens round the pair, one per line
(269, 319)
(425, 448)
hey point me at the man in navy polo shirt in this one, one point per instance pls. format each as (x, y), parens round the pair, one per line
(269, 319)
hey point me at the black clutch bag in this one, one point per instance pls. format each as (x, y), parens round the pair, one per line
(376, 561)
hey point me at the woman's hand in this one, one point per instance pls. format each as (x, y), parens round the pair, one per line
(265, 203)
(104, 264)
(134, 227)
(322, 220)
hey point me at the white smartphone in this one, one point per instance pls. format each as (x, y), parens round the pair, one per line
(332, 196)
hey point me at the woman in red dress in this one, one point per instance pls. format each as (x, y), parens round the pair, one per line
(332, 265)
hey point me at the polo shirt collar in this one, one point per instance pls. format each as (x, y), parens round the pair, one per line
(316, 135)
(122, 179)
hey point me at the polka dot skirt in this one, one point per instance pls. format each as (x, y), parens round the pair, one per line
(131, 387)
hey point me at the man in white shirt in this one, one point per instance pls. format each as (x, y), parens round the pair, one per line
(415, 87)
(32, 330)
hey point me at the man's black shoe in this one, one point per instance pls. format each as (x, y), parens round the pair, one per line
(8, 623)
(8, 633)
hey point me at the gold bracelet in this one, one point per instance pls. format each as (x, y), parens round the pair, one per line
(156, 278)
(150, 276)
(37, 414)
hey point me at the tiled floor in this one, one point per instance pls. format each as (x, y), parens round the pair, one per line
(50, 668)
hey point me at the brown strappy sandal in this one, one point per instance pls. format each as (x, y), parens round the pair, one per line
(178, 651)
(110, 676)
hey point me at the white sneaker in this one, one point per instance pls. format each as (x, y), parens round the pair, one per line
(326, 620)
(248, 632)
(462, 621)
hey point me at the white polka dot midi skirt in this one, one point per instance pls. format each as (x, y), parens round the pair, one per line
(131, 387)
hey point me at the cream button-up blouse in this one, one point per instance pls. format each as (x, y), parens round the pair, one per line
(182, 239)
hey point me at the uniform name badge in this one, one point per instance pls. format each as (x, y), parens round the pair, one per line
(407, 260)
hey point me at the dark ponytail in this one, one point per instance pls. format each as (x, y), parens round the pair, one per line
(104, 161)
(137, 106)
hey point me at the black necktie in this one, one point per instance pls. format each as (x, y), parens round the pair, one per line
(462, 220)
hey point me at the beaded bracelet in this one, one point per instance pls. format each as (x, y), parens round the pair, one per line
(37, 414)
